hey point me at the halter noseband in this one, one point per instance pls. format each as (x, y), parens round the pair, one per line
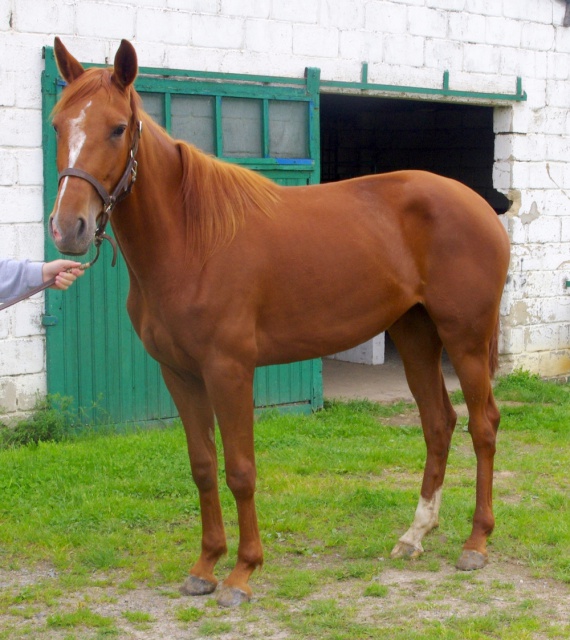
(120, 192)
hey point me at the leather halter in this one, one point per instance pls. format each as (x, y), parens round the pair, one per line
(120, 192)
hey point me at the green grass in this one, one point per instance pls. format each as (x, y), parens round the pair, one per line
(79, 618)
(99, 516)
(188, 614)
(376, 590)
(51, 421)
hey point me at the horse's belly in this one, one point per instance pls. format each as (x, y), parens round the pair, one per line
(326, 323)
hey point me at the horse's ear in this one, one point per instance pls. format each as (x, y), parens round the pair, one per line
(126, 66)
(68, 66)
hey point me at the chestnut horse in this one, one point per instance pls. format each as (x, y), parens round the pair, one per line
(229, 271)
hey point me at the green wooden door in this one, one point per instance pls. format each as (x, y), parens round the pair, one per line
(93, 354)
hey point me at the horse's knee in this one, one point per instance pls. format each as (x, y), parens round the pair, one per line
(240, 479)
(204, 475)
(484, 438)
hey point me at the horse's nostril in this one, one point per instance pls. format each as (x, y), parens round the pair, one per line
(54, 231)
(81, 226)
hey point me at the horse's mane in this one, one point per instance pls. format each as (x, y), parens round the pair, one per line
(217, 197)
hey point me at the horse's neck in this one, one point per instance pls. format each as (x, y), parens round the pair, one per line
(149, 226)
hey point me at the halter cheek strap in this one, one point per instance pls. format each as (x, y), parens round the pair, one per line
(120, 192)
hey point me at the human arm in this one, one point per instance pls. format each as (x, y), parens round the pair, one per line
(19, 276)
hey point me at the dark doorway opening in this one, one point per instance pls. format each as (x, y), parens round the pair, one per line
(361, 136)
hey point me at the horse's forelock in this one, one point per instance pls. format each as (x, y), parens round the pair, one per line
(89, 83)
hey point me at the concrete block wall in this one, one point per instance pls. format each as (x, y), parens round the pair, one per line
(370, 352)
(484, 44)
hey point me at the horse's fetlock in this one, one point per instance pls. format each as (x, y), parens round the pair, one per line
(251, 558)
(483, 526)
(213, 552)
(488, 525)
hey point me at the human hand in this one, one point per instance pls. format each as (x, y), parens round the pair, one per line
(65, 272)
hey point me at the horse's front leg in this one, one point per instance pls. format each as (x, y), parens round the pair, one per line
(230, 386)
(195, 409)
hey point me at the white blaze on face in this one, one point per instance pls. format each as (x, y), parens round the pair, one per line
(426, 518)
(77, 137)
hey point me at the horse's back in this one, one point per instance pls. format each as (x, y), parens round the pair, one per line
(406, 214)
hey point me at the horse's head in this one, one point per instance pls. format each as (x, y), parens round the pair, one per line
(95, 124)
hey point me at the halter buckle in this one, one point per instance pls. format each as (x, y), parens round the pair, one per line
(108, 208)
(134, 172)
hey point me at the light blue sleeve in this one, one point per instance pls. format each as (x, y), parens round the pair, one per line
(18, 276)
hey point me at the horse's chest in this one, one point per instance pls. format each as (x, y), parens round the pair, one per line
(164, 344)
(156, 340)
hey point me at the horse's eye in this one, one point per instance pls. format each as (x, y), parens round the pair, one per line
(55, 129)
(118, 131)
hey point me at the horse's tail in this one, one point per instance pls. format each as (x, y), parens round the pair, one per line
(494, 351)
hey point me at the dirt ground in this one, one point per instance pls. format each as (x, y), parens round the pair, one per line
(428, 595)
(442, 594)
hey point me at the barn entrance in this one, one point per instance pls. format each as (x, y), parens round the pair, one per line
(360, 136)
(367, 135)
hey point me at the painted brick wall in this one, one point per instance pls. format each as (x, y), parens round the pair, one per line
(484, 44)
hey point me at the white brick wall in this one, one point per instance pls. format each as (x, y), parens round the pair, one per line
(484, 43)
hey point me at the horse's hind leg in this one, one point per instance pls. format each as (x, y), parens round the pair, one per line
(472, 366)
(420, 347)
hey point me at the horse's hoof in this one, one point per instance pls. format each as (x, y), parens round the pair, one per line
(471, 560)
(196, 586)
(231, 597)
(405, 550)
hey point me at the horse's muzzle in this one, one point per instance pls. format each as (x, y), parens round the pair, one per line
(74, 238)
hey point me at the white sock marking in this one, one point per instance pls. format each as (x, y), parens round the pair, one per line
(426, 518)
